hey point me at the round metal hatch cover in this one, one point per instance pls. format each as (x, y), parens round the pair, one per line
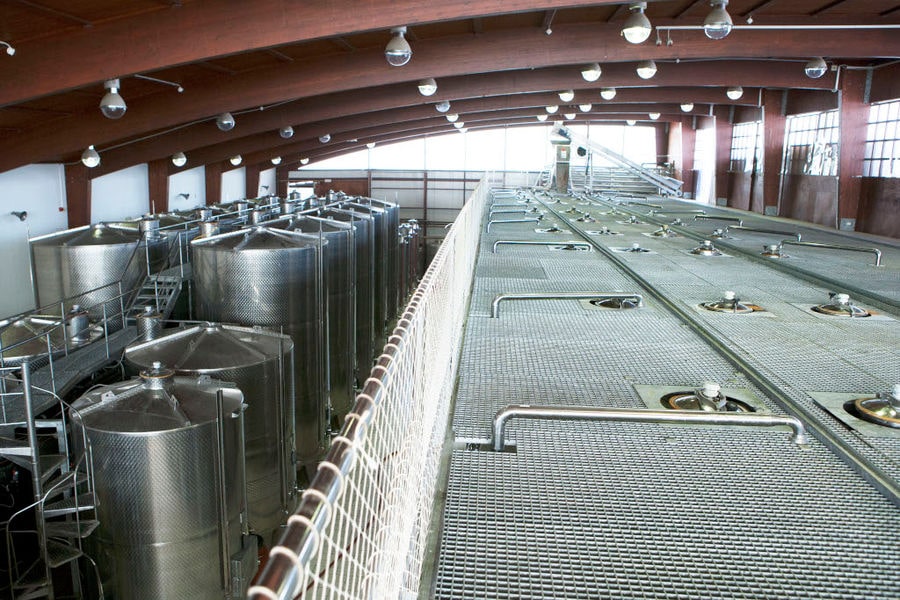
(730, 306)
(615, 303)
(689, 400)
(880, 411)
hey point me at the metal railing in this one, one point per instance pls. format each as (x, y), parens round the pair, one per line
(495, 304)
(824, 246)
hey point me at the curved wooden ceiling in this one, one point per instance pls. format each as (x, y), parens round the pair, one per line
(319, 67)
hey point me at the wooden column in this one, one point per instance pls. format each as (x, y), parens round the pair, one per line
(251, 181)
(213, 173)
(773, 147)
(281, 180)
(78, 195)
(724, 131)
(854, 117)
(158, 184)
(662, 143)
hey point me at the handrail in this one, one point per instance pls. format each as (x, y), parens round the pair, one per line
(511, 211)
(738, 220)
(495, 304)
(525, 220)
(763, 230)
(874, 251)
(529, 243)
(631, 415)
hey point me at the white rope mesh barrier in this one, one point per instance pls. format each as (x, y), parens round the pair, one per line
(360, 530)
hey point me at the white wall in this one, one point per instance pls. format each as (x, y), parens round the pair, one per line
(234, 185)
(120, 195)
(190, 181)
(267, 177)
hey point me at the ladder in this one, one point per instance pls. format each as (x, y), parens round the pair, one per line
(159, 292)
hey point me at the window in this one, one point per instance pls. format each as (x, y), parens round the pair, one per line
(746, 148)
(882, 158)
(812, 142)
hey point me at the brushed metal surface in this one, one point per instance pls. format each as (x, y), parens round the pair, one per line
(381, 261)
(392, 248)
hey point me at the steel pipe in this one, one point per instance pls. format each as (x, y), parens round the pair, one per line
(688, 417)
(495, 305)
(528, 243)
(511, 211)
(874, 251)
(525, 220)
(762, 230)
(738, 220)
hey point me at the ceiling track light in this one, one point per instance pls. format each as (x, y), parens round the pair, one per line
(734, 92)
(179, 159)
(90, 157)
(585, 107)
(591, 72)
(608, 93)
(442, 106)
(325, 138)
(286, 132)
(276, 161)
(225, 122)
(398, 52)
(9, 49)
(236, 160)
(654, 115)
(646, 69)
(542, 117)
(452, 117)
(816, 68)
(567, 95)
(427, 87)
(551, 110)
(687, 106)
(178, 87)
(112, 105)
(718, 23)
(304, 161)
(637, 26)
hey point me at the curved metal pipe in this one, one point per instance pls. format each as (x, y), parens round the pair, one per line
(495, 305)
(586, 413)
(528, 243)
(511, 211)
(738, 220)
(762, 230)
(874, 251)
(526, 220)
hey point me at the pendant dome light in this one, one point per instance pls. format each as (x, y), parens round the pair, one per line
(428, 87)
(236, 160)
(608, 93)
(646, 69)
(276, 161)
(325, 138)
(637, 26)
(566, 95)
(687, 106)
(442, 106)
(654, 115)
(112, 105)
(459, 124)
(452, 117)
(304, 161)
(734, 92)
(398, 52)
(225, 122)
(816, 68)
(541, 118)
(286, 132)
(179, 159)
(591, 72)
(90, 157)
(630, 122)
(585, 107)
(551, 110)
(570, 116)
(718, 22)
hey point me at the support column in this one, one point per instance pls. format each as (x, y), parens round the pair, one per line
(158, 185)
(78, 195)
(281, 180)
(724, 131)
(662, 143)
(854, 117)
(213, 175)
(773, 148)
(563, 156)
(688, 141)
(251, 181)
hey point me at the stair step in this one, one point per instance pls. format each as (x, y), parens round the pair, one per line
(37, 591)
(70, 529)
(14, 447)
(60, 553)
(34, 576)
(48, 463)
(68, 506)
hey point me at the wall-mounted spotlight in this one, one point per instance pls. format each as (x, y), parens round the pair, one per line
(275, 161)
(397, 52)
(184, 195)
(304, 161)
(9, 49)
(179, 159)
(816, 68)
(591, 72)
(427, 87)
(585, 107)
(452, 117)
(264, 188)
(90, 157)
(20, 214)
(542, 118)
(112, 105)
(567, 95)
(608, 93)
(225, 122)
(551, 110)
(637, 26)
(286, 132)
(687, 106)
(570, 116)
(370, 145)
(654, 115)
(236, 159)
(630, 122)
(442, 106)
(734, 92)
(718, 22)
(646, 69)
(325, 138)
(459, 124)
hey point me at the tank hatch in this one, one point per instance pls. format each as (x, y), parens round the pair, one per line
(840, 306)
(664, 232)
(616, 303)
(883, 409)
(706, 248)
(730, 303)
(708, 398)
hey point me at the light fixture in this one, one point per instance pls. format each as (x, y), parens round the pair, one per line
(370, 145)
(236, 159)
(654, 115)
(570, 116)
(325, 138)
(608, 93)
(734, 92)
(542, 117)
(591, 72)
(630, 122)
(687, 106)
(286, 132)
(452, 117)
(551, 110)
(646, 69)
(637, 26)
(178, 87)
(815, 68)
(585, 107)
(427, 87)
(276, 161)
(112, 105)
(90, 157)
(9, 49)
(463, 129)
(179, 159)
(459, 124)
(718, 22)
(442, 106)
(397, 52)
(225, 122)
(304, 161)
(567, 95)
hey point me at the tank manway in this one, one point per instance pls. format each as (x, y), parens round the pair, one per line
(707, 398)
(883, 409)
(730, 303)
(840, 306)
